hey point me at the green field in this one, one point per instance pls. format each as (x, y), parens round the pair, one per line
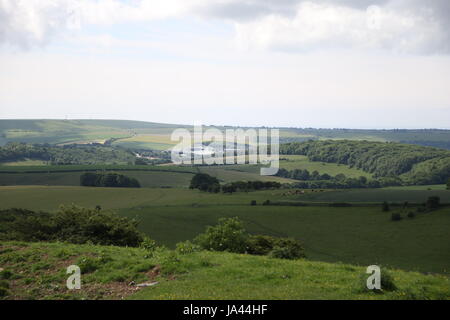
(358, 235)
(38, 271)
(402, 194)
(148, 176)
(147, 179)
(139, 134)
(27, 162)
(301, 162)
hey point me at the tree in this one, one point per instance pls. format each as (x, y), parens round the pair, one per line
(204, 182)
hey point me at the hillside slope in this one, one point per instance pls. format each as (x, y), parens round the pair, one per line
(413, 164)
(151, 135)
(38, 271)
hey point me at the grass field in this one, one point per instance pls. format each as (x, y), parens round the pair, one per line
(147, 141)
(413, 195)
(362, 235)
(148, 176)
(302, 162)
(38, 271)
(147, 179)
(358, 235)
(422, 187)
(50, 197)
(157, 135)
(27, 162)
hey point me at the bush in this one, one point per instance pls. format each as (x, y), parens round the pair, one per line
(385, 207)
(186, 247)
(396, 216)
(228, 235)
(386, 282)
(148, 244)
(266, 203)
(253, 203)
(411, 214)
(284, 248)
(72, 224)
(88, 264)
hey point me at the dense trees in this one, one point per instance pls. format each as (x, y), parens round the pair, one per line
(205, 182)
(90, 179)
(413, 164)
(250, 186)
(68, 154)
(299, 174)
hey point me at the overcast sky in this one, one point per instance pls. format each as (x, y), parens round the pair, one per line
(318, 63)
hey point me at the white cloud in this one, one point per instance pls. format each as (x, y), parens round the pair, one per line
(27, 23)
(410, 26)
(325, 25)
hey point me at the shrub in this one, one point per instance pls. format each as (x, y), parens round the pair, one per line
(228, 235)
(186, 247)
(386, 282)
(260, 245)
(396, 216)
(72, 224)
(253, 203)
(89, 264)
(284, 248)
(281, 253)
(148, 244)
(411, 214)
(385, 207)
(266, 203)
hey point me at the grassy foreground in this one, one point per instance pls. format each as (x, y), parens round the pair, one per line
(361, 235)
(38, 271)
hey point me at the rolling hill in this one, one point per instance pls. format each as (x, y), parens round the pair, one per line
(151, 135)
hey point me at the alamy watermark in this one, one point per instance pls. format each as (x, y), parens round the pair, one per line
(231, 146)
(374, 280)
(74, 280)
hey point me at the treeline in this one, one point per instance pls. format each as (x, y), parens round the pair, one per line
(418, 164)
(347, 183)
(67, 154)
(300, 174)
(250, 186)
(111, 179)
(205, 182)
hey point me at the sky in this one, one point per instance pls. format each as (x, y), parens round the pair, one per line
(292, 63)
